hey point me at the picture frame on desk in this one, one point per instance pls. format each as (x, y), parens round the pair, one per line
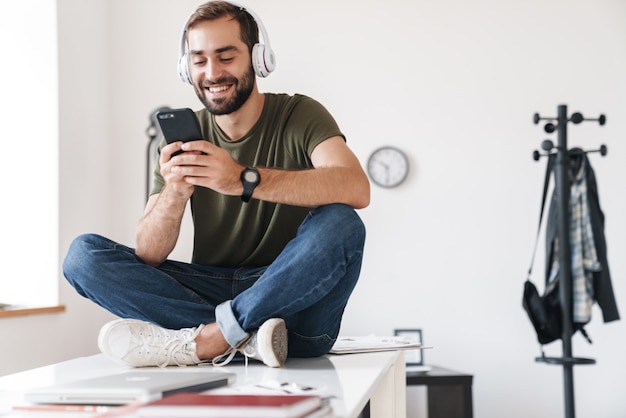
(412, 357)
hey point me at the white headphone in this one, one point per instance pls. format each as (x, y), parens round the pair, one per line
(263, 60)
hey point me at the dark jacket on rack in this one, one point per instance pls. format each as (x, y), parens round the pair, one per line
(602, 291)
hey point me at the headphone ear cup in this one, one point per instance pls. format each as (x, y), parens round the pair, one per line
(257, 61)
(263, 60)
(183, 69)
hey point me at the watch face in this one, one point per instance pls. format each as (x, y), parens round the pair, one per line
(251, 176)
(388, 166)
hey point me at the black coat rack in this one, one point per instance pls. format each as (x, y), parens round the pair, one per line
(562, 189)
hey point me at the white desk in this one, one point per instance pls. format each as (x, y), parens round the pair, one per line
(352, 379)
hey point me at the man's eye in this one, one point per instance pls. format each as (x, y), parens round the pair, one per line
(226, 60)
(199, 62)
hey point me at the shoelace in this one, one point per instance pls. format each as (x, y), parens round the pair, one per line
(174, 349)
(244, 348)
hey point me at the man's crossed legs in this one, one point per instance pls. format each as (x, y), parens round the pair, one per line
(181, 313)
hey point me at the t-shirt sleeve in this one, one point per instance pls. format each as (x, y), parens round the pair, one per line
(158, 182)
(315, 123)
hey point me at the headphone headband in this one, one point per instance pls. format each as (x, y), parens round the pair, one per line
(263, 60)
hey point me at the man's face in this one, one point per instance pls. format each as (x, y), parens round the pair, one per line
(220, 65)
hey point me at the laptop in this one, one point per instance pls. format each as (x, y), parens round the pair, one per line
(131, 386)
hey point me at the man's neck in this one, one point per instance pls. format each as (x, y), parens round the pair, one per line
(235, 125)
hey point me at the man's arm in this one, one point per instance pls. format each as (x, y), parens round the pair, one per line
(337, 178)
(158, 229)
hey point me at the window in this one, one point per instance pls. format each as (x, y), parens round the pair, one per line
(29, 167)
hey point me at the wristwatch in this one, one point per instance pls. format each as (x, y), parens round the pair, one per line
(250, 178)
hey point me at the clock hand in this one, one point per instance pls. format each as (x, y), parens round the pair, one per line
(385, 166)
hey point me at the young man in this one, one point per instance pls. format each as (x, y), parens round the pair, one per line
(277, 243)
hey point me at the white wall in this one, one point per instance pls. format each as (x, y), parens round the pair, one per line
(84, 196)
(455, 84)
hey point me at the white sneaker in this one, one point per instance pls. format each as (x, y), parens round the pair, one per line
(142, 344)
(268, 344)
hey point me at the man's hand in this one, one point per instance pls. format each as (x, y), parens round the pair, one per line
(169, 171)
(201, 164)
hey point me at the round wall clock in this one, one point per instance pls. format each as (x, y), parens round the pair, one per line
(388, 166)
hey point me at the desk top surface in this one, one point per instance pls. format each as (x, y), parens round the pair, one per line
(349, 379)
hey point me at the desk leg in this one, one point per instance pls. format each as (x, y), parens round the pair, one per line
(450, 401)
(389, 399)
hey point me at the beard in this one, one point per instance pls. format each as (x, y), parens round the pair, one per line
(225, 106)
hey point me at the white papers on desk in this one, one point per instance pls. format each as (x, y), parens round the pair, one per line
(347, 345)
(270, 387)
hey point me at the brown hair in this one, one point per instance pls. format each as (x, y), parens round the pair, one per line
(216, 9)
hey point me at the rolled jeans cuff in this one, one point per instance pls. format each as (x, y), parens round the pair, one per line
(225, 318)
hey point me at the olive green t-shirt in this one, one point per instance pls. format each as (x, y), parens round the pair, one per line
(231, 233)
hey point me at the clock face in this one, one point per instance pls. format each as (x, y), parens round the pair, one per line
(388, 166)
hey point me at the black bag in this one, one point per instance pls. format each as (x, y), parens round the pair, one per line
(544, 312)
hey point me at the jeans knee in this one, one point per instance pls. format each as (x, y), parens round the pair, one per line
(78, 260)
(352, 227)
(343, 220)
(356, 225)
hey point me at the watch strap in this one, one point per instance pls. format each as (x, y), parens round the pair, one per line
(249, 186)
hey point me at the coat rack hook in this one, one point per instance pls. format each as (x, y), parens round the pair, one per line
(603, 150)
(546, 145)
(578, 117)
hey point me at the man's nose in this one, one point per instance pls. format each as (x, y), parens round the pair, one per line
(213, 70)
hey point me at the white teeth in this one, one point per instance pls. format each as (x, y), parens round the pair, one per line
(217, 89)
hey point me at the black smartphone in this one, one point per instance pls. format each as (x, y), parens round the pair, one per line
(179, 125)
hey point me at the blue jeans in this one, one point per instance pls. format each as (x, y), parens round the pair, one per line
(308, 284)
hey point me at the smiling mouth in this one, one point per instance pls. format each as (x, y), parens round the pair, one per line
(218, 89)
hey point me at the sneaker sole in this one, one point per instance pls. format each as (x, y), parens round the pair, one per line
(103, 337)
(273, 336)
